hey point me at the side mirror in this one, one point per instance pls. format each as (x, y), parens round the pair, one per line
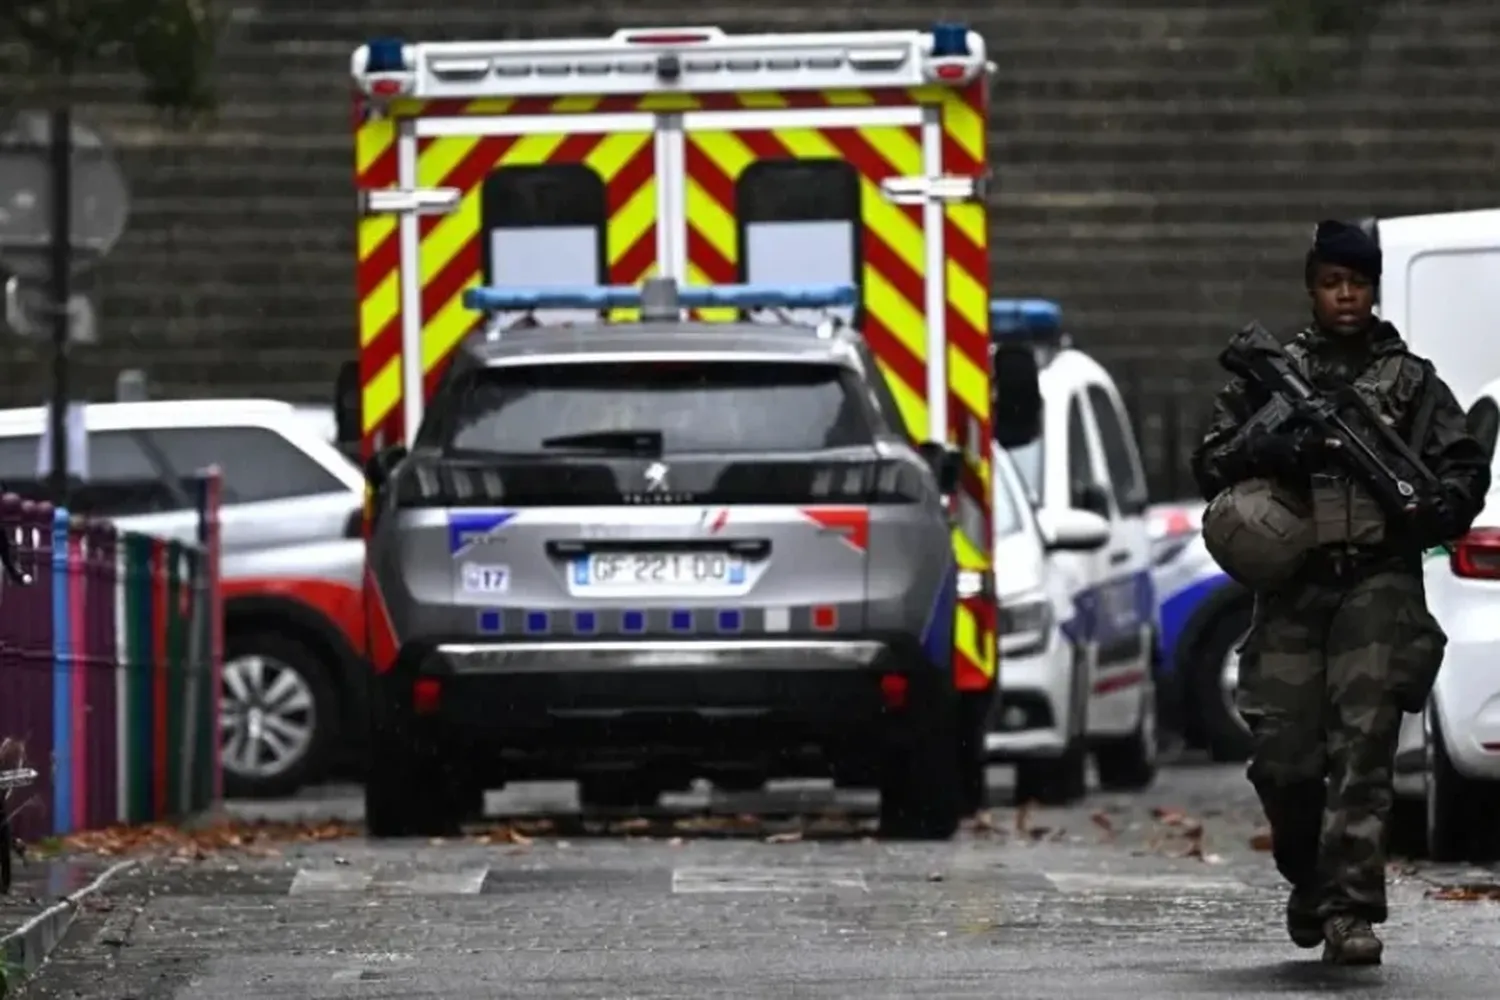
(381, 464)
(946, 464)
(1091, 498)
(346, 415)
(1017, 405)
(1483, 420)
(1072, 530)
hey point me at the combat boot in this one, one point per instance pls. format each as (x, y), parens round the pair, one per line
(1350, 940)
(1303, 925)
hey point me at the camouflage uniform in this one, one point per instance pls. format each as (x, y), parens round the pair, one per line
(1334, 658)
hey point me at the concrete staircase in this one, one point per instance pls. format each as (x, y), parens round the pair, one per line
(1147, 177)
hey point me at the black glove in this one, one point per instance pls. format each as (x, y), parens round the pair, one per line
(1285, 454)
(1432, 518)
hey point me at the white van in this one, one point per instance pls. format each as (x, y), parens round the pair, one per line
(1441, 289)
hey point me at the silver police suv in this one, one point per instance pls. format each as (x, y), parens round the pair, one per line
(637, 553)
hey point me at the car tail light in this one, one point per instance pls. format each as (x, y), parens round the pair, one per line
(1477, 555)
(867, 482)
(893, 691)
(426, 695)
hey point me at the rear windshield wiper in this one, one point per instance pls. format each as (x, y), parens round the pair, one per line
(629, 442)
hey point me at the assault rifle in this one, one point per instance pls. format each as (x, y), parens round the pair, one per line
(1256, 355)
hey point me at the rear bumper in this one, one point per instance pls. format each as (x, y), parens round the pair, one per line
(499, 660)
(1026, 719)
(551, 709)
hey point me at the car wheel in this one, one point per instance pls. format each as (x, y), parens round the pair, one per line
(921, 781)
(1129, 764)
(1215, 665)
(974, 711)
(1461, 811)
(277, 716)
(409, 789)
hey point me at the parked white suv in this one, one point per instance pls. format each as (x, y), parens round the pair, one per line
(293, 558)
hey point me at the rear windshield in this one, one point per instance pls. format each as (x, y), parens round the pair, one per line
(695, 406)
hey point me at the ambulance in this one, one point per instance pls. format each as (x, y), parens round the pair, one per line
(708, 158)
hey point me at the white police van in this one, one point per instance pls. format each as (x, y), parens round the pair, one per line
(1440, 291)
(1086, 460)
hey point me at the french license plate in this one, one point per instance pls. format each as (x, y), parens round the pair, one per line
(658, 572)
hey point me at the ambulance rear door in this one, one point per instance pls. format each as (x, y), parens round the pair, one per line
(844, 193)
(553, 199)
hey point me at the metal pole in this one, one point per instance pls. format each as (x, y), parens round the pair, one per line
(60, 160)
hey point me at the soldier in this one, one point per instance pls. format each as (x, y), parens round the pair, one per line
(1344, 646)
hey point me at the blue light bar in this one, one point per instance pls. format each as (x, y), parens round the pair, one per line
(576, 297)
(767, 296)
(385, 55)
(599, 297)
(949, 40)
(1025, 318)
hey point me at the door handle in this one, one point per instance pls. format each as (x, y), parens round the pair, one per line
(1116, 558)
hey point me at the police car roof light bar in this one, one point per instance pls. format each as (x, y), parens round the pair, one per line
(1034, 319)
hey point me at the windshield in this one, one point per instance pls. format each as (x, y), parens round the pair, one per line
(1028, 462)
(694, 406)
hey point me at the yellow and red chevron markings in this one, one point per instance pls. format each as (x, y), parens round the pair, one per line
(892, 251)
(451, 248)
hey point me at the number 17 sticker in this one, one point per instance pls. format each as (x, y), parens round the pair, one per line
(482, 579)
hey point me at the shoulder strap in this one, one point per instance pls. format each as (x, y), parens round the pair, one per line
(1423, 420)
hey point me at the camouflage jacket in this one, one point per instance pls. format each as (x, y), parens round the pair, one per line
(1398, 381)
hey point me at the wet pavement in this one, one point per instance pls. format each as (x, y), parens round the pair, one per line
(1164, 895)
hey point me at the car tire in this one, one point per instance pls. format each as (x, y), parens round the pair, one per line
(411, 790)
(921, 781)
(408, 794)
(1224, 732)
(973, 766)
(282, 661)
(1129, 763)
(1461, 811)
(1054, 781)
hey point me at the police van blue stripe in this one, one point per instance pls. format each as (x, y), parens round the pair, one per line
(537, 623)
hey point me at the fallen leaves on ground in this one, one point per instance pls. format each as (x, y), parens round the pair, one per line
(984, 823)
(1260, 840)
(252, 837)
(1103, 822)
(1482, 892)
(1178, 835)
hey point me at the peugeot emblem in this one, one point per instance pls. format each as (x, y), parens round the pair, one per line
(656, 477)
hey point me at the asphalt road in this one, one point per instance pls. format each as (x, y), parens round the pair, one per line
(1158, 896)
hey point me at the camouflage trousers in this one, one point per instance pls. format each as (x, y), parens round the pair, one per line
(1325, 676)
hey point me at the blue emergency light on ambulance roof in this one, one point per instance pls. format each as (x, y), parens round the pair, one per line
(949, 40)
(385, 55)
(600, 297)
(576, 297)
(1018, 318)
(768, 296)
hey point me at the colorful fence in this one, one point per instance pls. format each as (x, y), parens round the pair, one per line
(108, 672)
